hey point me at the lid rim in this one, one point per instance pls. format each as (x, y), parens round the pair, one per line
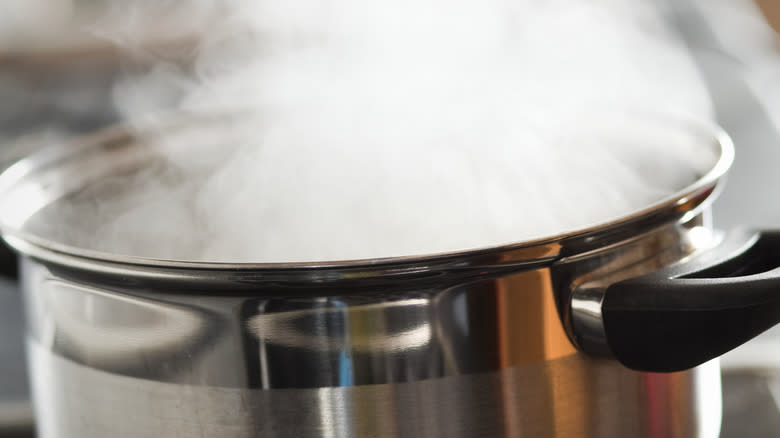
(672, 208)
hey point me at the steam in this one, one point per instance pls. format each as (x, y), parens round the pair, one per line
(374, 129)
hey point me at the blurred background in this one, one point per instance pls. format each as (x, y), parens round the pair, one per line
(60, 76)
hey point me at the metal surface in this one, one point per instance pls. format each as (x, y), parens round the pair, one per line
(270, 332)
(476, 353)
(476, 343)
(632, 260)
(749, 407)
(35, 193)
(566, 397)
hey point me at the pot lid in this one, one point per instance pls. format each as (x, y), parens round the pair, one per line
(48, 202)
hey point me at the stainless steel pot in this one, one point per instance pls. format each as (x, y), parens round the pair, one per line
(490, 342)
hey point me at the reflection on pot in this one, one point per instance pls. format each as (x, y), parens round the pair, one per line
(120, 333)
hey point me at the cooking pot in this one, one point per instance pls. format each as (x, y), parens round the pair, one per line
(605, 331)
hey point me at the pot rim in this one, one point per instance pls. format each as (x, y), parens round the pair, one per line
(677, 207)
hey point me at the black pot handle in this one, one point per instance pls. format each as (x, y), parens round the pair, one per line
(685, 315)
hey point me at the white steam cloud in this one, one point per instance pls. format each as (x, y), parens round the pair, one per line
(411, 127)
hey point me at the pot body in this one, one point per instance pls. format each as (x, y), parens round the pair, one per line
(488, 354)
